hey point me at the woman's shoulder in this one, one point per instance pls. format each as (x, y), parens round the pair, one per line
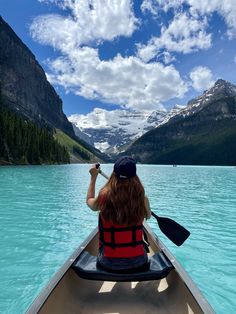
(103, 193)
(147, 204)
(104, 190)
(146, 201)
(102, 197)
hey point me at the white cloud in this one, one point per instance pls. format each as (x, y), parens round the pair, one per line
(184, 34)
(167, 57)
(128, 82)
(147, 52)
(153, 6)
(149, 6)
(89, 21)
(98, 118)
(202, 78)
(226, 9)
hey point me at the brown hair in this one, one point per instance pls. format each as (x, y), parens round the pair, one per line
(122, 201)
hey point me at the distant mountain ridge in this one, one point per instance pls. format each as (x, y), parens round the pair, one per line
(112, 131)
(220, 90)
(202, 133)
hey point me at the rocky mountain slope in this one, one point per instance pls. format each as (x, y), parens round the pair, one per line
(202, 133)
(24, 84)
(25, 90)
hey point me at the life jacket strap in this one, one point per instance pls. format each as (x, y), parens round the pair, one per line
(120, 229)
(134, 242)
(127, 244)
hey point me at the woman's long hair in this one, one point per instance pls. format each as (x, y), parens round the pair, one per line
(122, 201)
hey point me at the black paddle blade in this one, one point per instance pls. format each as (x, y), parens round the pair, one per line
(174, 231)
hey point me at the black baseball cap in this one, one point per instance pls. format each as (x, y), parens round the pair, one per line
(125, 167)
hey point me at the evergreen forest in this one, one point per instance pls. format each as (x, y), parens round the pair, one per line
(24, 142)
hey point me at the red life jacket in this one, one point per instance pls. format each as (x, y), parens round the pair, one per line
(121, 241)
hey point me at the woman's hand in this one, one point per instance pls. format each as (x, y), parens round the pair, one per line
(94, 171)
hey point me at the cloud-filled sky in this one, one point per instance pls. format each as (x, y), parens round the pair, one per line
(141, 55)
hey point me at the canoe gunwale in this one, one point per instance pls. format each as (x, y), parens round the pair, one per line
(37, 303)
(192, 287)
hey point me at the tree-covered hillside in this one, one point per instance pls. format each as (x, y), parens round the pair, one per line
(23, 142)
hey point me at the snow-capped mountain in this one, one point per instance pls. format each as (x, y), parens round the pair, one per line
(220, 90)
(177, 109)
(111, 131)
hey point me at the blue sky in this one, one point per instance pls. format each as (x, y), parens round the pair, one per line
(136, 55)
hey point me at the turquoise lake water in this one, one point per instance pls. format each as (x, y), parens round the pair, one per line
(43, 218)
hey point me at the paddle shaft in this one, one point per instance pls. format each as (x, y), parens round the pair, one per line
(103, 174)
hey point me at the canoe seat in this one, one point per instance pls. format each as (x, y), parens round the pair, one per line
(86, 267)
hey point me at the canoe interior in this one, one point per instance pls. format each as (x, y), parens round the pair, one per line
(76, 295)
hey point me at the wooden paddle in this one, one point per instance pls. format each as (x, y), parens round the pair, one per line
(174, 231)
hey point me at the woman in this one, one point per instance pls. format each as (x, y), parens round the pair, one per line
(122, 207)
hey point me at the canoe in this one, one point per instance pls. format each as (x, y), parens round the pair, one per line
(81, 287)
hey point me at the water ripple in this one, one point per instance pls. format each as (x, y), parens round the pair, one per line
(44, 218)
